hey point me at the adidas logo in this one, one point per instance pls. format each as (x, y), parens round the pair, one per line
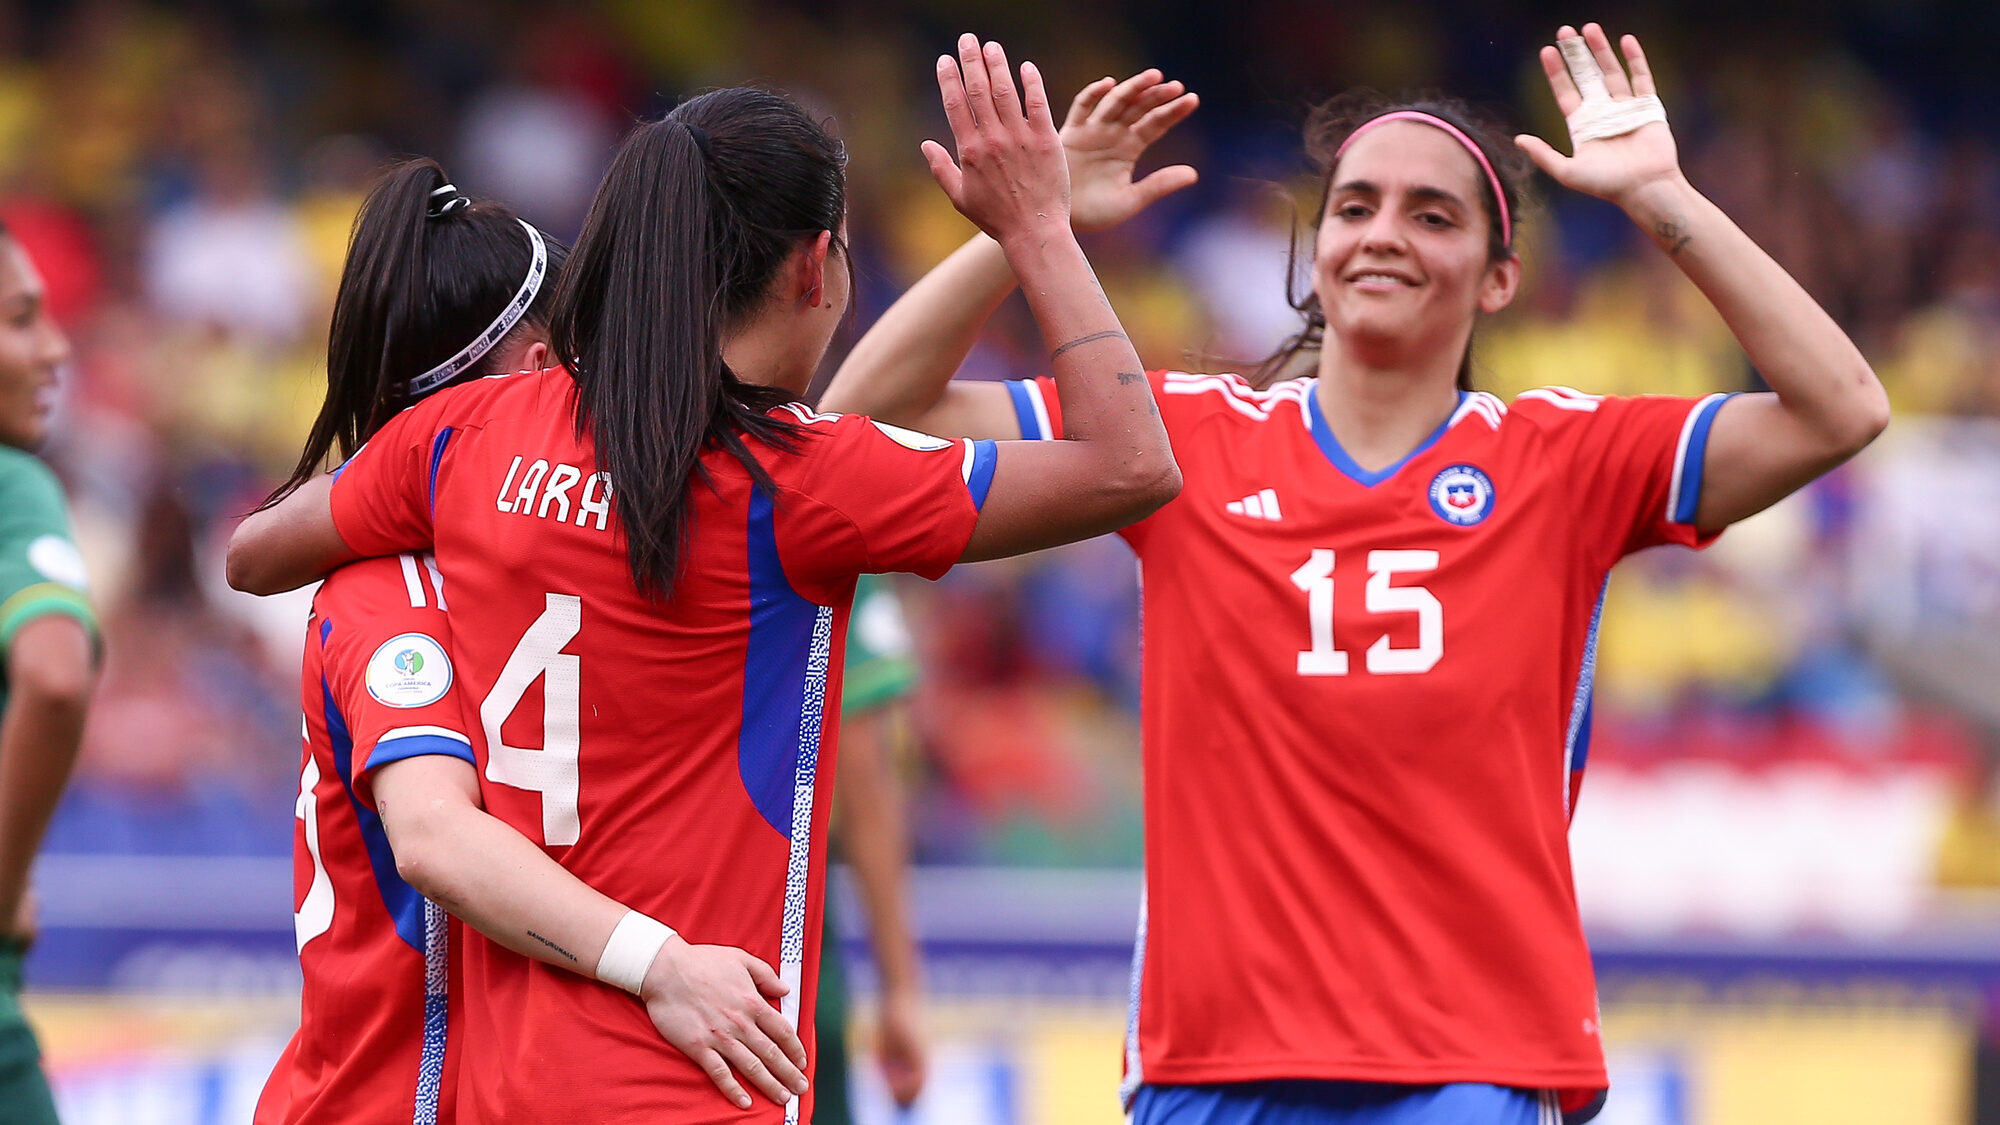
(1261, 506)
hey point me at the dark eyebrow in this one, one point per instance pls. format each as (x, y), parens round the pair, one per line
(1437, 195)
(1421, 194)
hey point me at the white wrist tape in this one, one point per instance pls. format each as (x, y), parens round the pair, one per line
(1601, 115)
(634, 943)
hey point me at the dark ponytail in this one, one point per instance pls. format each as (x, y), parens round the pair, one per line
(1327, 128)
(427, 272)
(688, 230)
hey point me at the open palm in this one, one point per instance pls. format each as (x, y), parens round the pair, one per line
(1611, 168)
(1110, 125)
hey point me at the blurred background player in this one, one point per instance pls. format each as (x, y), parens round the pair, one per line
(49, 633)
(1359, 902)
(695, 307)
(870, 832)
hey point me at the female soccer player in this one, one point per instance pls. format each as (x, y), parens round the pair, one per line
(652, 687)
(439, 285)
(1370, 618)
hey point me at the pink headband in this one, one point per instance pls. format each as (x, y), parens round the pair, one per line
(1457, 134)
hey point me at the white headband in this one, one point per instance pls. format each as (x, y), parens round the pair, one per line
(1600, 115)
(497, 331)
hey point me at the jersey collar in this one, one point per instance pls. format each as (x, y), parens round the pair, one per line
(1330, 445)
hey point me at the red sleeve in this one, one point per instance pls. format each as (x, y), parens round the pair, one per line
(388, 666)
(383, 496)
(865, 497)
(1635, 464)
(1038, 409)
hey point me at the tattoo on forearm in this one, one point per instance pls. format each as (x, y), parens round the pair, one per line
(571, 957)
(1127, 378)
(1673, 232)
(1082, 340)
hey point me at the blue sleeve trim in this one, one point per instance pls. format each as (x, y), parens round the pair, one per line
(1024, 411)
(437, 456)
(418, 746)
(985, 456)
(340, 468)
(1696, 455)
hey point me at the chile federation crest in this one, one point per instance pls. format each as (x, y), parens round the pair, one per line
(1462, 495)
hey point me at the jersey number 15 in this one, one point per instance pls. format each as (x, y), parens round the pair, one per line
(1316, 579)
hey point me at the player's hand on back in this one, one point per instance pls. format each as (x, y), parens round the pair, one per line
(1594, 88)
(1110, 126)
(714, 1003)
(1010, 177)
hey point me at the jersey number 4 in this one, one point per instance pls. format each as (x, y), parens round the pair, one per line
(551, 770)
(1316, 579)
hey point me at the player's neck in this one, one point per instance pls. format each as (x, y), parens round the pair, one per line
(763, 351)
(1379, 414)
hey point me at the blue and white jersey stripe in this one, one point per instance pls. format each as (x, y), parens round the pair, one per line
(1684, 494)
(437, 1007)
(1576, 746)
(1030, 410)
(1135, 1069)
(784, 708)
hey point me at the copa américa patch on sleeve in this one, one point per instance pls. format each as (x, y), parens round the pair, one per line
(410, 670)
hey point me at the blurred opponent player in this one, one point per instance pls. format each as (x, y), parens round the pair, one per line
(48, 632)
(437, 289)
(1370, 617)
(869, 829)
(653, 691)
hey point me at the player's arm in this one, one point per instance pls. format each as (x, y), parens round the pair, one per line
(48, 638)
(50, 673)
(1010, 179)
(379, 503)
(869, 817)
(288, 544)
(900, 371)
(1826, 403)
(712, 1002)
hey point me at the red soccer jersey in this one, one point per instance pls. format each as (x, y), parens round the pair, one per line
(378, 1018)
(675, 755)
(1366, 697)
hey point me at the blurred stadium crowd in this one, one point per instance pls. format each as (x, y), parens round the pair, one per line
(186, 176)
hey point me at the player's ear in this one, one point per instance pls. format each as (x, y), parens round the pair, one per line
(536, 357)
(812, 257)
(1502, 281)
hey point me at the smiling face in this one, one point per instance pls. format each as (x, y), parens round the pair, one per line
(1402, 263)
(32, 349)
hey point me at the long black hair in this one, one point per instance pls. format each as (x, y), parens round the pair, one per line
(428, 270)
(1327, 127)
(689, 228)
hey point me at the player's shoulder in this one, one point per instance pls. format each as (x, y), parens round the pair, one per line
(24, 475)
(825, 437)
(478, 401)
(1192, 394)
(1552, 413)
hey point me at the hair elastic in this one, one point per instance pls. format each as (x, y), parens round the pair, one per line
(1457, 134)
(699, 135)
(440, 210)
(510, 316)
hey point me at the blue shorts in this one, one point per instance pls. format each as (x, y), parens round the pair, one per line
(1303, 1102)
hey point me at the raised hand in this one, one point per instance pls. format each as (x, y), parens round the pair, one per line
(713, 1003)
(1614, 167)
(1110, 125)
(1010, 177)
